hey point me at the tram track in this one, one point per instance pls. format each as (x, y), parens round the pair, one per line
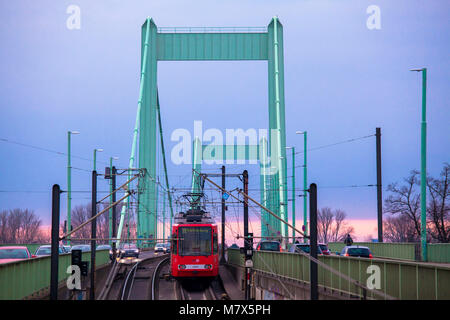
(200, 289)
(130, 281)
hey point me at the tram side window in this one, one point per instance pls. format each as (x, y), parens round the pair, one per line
(215, 244)
(174, 244)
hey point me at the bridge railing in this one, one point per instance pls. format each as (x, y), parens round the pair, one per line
(26, 278)
(399, 279)
(403, 251)
(439, 252)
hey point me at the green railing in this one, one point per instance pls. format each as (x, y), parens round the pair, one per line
(403, 251)
(439, 252)
(401, 280)
(25, 278)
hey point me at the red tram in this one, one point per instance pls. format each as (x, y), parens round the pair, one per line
(194, 248)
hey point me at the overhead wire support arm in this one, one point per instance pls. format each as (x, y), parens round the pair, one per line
(95, 217)
(127, 194)
(253, 200)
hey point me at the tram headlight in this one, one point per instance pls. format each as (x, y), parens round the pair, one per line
(181, 267)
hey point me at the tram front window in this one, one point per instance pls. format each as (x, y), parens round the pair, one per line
(195, 241)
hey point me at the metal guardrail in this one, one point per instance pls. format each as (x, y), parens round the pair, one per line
(25, 278)
(403, 251)
(399, 279)
(212, 29)
(439, 252)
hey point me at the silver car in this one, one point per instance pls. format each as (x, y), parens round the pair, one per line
(46, 250)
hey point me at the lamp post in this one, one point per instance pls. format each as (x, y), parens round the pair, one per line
(305, 187)
(111, 197)
(69, 184)
(423, 166)
(95, 158)
(293, 192)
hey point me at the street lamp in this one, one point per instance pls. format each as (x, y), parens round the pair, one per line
(293, 192)
(69, 184)
(95, 157)
(305, 187)
(423, 166)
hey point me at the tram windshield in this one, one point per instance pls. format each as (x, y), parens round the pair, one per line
(195, 241)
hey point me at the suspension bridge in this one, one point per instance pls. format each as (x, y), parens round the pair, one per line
(147, 198)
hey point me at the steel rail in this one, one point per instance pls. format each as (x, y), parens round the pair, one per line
(155, 274)
(132, 271)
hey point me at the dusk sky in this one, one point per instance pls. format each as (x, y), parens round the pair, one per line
(342, 80)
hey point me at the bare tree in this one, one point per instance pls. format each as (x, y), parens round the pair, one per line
(4, 226)
(331, 225)
(405, 200)
(82, 213)
(339, 225)
(345, 230)
(20, 226)
(439, 207)
(399, 229)
(324, 222)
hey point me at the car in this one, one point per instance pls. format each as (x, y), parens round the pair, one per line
(324, 249)
(128, 250)
(14, 253)
(269, 245)
(234, 246)
(46, 250)
(104, 247)
(82, 247)
(67, 248)
(167, 247)
(305, 247)
(159, 247)
(356, 251)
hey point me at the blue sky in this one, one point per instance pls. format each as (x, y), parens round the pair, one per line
(342, 80)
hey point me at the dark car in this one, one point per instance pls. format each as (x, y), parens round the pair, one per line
(128, 250)
(82, 247)
(356, 251)
(324, 249)
(305, 247)
(269, 246)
